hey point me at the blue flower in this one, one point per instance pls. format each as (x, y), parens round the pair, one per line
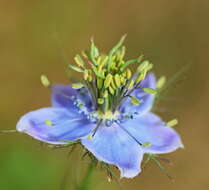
(116, 136)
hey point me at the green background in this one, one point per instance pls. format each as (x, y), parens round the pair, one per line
(40, 36)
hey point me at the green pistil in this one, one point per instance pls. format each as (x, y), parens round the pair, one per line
(109, 78)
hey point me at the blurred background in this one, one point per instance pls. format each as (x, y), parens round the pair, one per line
(39, 37)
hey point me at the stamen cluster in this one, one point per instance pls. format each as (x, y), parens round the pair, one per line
(108, 77)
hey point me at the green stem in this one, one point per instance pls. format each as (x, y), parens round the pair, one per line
(86, 183)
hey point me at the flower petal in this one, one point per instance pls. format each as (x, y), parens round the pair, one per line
(114, 146)
(65, 96)
(149, 128)
(54, 125)
(146, 99)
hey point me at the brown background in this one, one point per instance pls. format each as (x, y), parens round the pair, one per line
(39, 36)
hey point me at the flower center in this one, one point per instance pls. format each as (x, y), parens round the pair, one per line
(108, 78)
(108, 115)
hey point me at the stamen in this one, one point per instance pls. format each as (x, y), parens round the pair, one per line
(80, 62)
(90, 137)
(97, 127)
(150, 90)
(147, 144)
(117, 80)
(75, 68)
(45, 81)
(77, 85)
(109, 80)
(135, 101)
(129, 134)
(172, 123)
(48, 122)
(161, 82)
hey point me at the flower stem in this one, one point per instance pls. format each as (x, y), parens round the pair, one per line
(86, 182)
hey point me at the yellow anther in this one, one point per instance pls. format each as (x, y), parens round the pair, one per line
(122, 80)
(172, 123)
(90, 78)
(150, 90)
(108, 80)
(140, 77)
(85, 75)
(113, 84)
(75, 68)
(161, 82)
(117, 80)
(45, 81)
(99, 60)
(128, 74)
(100, 67)
(79, 61)
(131, 84)
(84, 54)
(111, 90)
(135, 101)
(143, 66)
(90, 137)
(147, 144)
(77, 85)
(124, 74)
(48, 122)
(103, 62)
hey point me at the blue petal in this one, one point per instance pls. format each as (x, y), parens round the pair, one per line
(54, 125)
(114, 146)
(150, 128)
(146, 99)
(65, 96)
